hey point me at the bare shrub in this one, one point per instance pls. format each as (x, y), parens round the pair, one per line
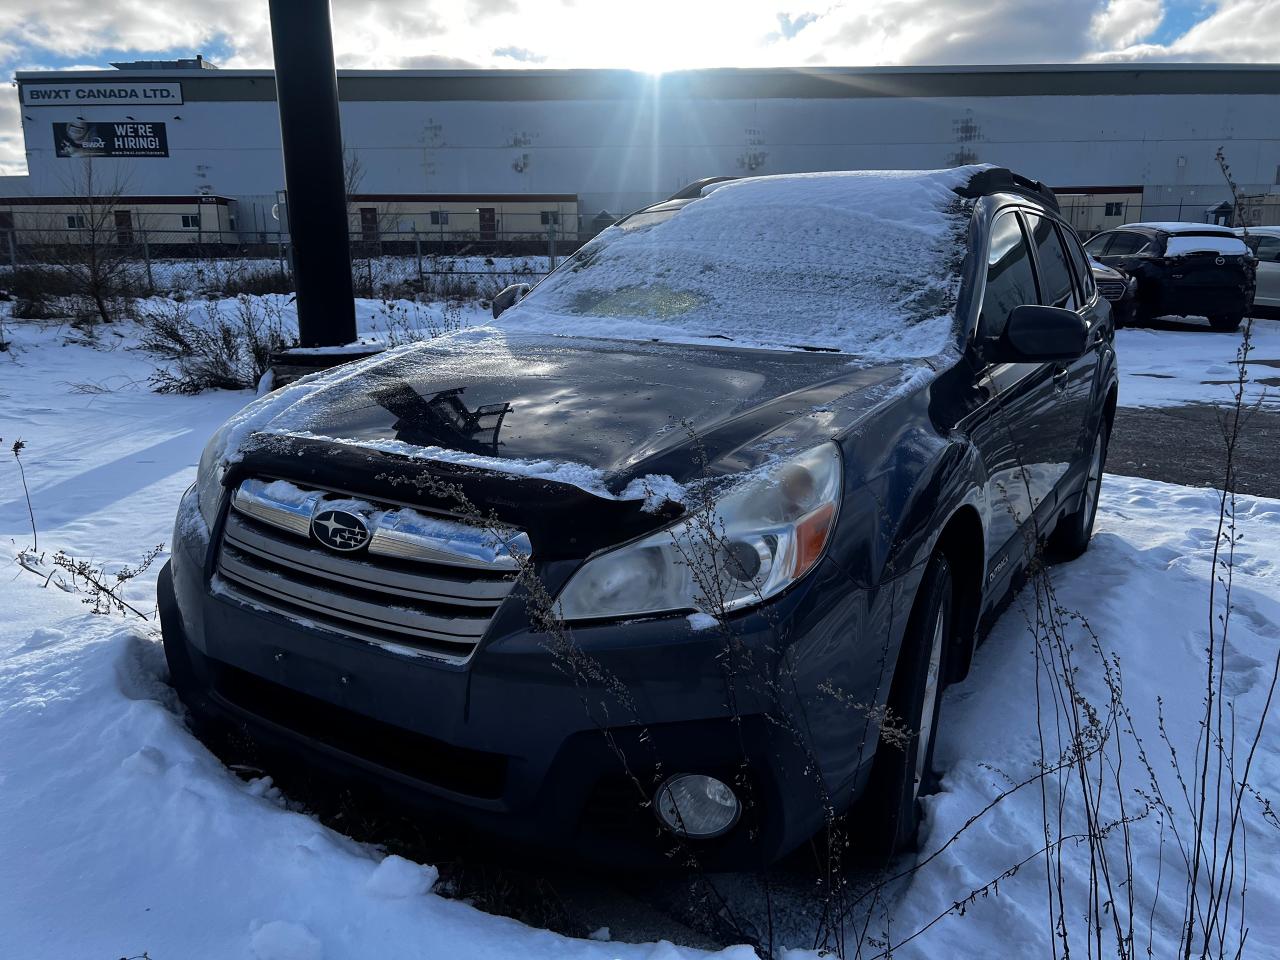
(104, 590)
(207, 350)
(98, 260)
(407, 321)
(239, 277)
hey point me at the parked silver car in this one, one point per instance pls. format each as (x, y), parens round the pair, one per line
(1265, 244)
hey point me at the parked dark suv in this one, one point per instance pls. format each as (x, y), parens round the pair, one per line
(1182, 269)
(687, 546)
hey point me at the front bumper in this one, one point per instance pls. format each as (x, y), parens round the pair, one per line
(543, 746)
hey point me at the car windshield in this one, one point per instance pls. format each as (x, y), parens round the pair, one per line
(865, 263)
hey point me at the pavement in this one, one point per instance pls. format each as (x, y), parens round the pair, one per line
(1188, 445)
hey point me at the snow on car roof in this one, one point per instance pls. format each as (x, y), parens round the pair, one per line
(865, 262)
(1176, 226)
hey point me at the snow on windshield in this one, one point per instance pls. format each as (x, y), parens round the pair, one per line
(865, 262)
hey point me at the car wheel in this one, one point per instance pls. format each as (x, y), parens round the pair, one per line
(1071, 536)
(1226, 323)
(888, 818)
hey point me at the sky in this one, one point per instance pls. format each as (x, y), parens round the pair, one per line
(654, 35)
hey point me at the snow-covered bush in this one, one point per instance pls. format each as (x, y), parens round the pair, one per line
(207, 349)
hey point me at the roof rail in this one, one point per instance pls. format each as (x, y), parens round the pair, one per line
(1004, 180)
(694, 190)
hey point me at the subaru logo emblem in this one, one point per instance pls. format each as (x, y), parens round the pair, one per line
(339, 530)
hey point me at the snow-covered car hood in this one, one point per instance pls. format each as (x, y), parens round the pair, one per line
(619, 410)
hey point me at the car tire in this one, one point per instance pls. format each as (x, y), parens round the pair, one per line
(1226, 323)
(1071, 535)
(888, 817)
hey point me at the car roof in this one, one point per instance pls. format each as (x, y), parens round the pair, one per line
(1178, 227)
(1267, 231)
(982, 180)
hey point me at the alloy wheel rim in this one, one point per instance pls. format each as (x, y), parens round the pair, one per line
(931, 683)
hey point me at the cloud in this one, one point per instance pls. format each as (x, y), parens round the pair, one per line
(789, 26)
(491, 8)
(436, 61)
(1124, 22)
(1234, 31)
(521, 54)
(955, 32)
(13, 159)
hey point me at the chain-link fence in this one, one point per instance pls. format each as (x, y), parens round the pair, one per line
(1088, 216)
(450, 259)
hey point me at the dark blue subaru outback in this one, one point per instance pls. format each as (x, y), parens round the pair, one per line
(684, 547)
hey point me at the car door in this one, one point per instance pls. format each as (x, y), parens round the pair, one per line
(1060, 286)
(1267, 249)
(1018, 453)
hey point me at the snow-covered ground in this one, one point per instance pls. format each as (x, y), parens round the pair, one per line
(120, 833)
(1183, 361)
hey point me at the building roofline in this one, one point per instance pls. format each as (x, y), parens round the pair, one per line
(140, 200)
(823, 71)
(721, 83)
(463, 198)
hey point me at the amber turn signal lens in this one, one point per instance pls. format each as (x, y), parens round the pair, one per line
(811, 537)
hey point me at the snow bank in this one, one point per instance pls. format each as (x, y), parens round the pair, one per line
(866, 262)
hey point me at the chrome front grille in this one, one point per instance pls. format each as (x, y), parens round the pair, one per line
(1112, 290)
(423, 585)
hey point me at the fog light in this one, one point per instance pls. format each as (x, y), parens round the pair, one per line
(696, 806)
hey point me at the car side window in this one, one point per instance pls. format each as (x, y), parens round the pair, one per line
(1266, 249)
(1056, 289)
(1010, 279)
(1097, 244)
(1084, 273)
(1124, 244)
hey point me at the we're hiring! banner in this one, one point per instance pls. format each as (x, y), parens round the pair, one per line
(109, 138)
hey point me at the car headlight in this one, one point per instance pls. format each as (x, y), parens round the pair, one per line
(762, 535)
(209, 477)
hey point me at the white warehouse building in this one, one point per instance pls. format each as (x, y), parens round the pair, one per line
(497, 147)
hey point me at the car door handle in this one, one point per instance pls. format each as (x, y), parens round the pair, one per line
(1060, 377)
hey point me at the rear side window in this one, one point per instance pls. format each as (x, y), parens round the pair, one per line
(1056, 289)
(1266, 249)
(1097, 245)
(1010, 280)
(1084, 273)
(1123, 244)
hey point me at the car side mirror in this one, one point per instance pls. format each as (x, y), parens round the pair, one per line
(1036, 334)
(509, 297)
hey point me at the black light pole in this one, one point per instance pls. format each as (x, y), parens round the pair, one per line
(311, 138)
